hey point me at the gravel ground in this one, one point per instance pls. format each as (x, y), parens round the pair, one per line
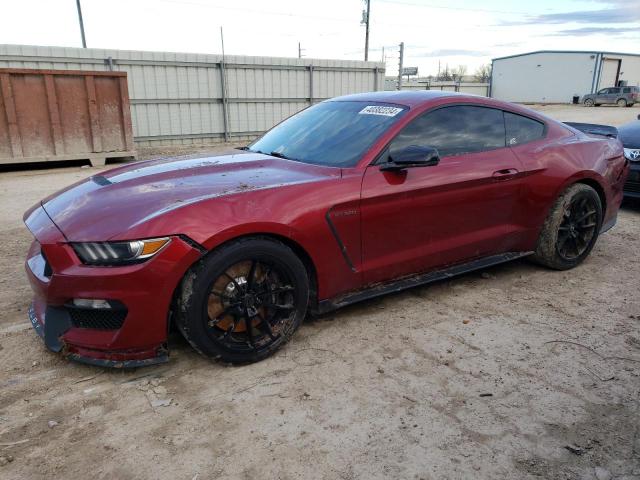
(514, 372)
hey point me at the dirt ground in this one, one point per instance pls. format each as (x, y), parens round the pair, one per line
(516, 372)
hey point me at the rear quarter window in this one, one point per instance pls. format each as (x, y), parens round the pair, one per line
(522, 129)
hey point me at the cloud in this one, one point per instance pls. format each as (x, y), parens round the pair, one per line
(507, 44)
(618, 11)
(586, 31)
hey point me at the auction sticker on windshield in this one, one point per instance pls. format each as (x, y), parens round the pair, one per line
(380, 110)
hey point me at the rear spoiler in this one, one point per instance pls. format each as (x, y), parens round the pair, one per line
(595, 129)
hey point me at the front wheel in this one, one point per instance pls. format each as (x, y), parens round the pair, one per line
(589, 102)
(244, 300)
(571, 228)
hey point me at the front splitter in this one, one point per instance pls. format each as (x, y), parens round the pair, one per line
(55, 345)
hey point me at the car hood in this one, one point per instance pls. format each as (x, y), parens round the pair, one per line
(111, 203)
(629, 134)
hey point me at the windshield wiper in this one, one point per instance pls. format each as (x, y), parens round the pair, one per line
(280, 155)
(272, 154)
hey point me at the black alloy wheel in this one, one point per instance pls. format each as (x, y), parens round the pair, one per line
(578, 227)
(571, 228)
(244, 300)
(249, 306)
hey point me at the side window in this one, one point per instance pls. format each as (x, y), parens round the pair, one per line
(522, 129)
(626, 90)
(454, 131)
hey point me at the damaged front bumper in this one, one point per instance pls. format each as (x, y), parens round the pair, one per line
(133, 333)
(58, 323)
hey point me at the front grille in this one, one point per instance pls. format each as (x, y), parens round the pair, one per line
(97, 319)
(631, 187)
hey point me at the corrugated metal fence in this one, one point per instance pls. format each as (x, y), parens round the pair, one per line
(184, 98)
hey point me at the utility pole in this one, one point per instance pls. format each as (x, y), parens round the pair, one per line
(84, 41)
(400, 65)
(300, 50)
(366, 34)
(225, 101)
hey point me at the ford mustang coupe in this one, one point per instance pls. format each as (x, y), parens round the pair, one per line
(349, 199)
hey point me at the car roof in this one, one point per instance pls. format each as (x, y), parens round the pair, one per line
(416, 98)
(408, 98)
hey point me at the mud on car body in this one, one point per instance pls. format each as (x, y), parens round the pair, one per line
(351, 198)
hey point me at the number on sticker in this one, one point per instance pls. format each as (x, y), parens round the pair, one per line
(380, 110)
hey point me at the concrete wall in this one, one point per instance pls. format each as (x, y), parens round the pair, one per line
(178, 98)
(551, 77)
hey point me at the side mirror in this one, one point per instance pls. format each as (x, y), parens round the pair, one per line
(412, 156)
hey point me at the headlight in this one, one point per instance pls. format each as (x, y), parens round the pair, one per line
(632, 154)
(118, 253)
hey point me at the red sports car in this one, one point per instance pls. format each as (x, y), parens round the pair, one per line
(347, 200)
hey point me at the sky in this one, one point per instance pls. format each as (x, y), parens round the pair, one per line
(435, 32)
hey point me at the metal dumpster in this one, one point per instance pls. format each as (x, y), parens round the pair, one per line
(49, 115)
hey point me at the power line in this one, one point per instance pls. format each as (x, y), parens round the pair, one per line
(253, 10)
(326, 18)
(430, 5)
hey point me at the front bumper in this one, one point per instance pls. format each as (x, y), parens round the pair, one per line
(145, 290)
(98, 358)
(631, 187)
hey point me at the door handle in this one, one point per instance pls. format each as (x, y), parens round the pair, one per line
(504, 174)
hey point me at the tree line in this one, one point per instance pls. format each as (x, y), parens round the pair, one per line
(456, 74)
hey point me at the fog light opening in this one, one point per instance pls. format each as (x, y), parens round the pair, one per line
(93, 303)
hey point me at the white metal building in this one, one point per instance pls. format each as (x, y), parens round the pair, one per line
(558, 76)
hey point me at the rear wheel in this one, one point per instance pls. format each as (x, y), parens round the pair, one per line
(571, 228)
(244, 300)
(589, 102)
(622, 102)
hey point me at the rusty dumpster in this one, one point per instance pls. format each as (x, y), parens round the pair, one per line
(49, 115)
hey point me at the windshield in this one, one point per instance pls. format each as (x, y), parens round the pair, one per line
(335, 134)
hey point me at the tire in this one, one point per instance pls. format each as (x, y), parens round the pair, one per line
(621, 102)
(252, 316)
(557, 248)
(589, 102)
